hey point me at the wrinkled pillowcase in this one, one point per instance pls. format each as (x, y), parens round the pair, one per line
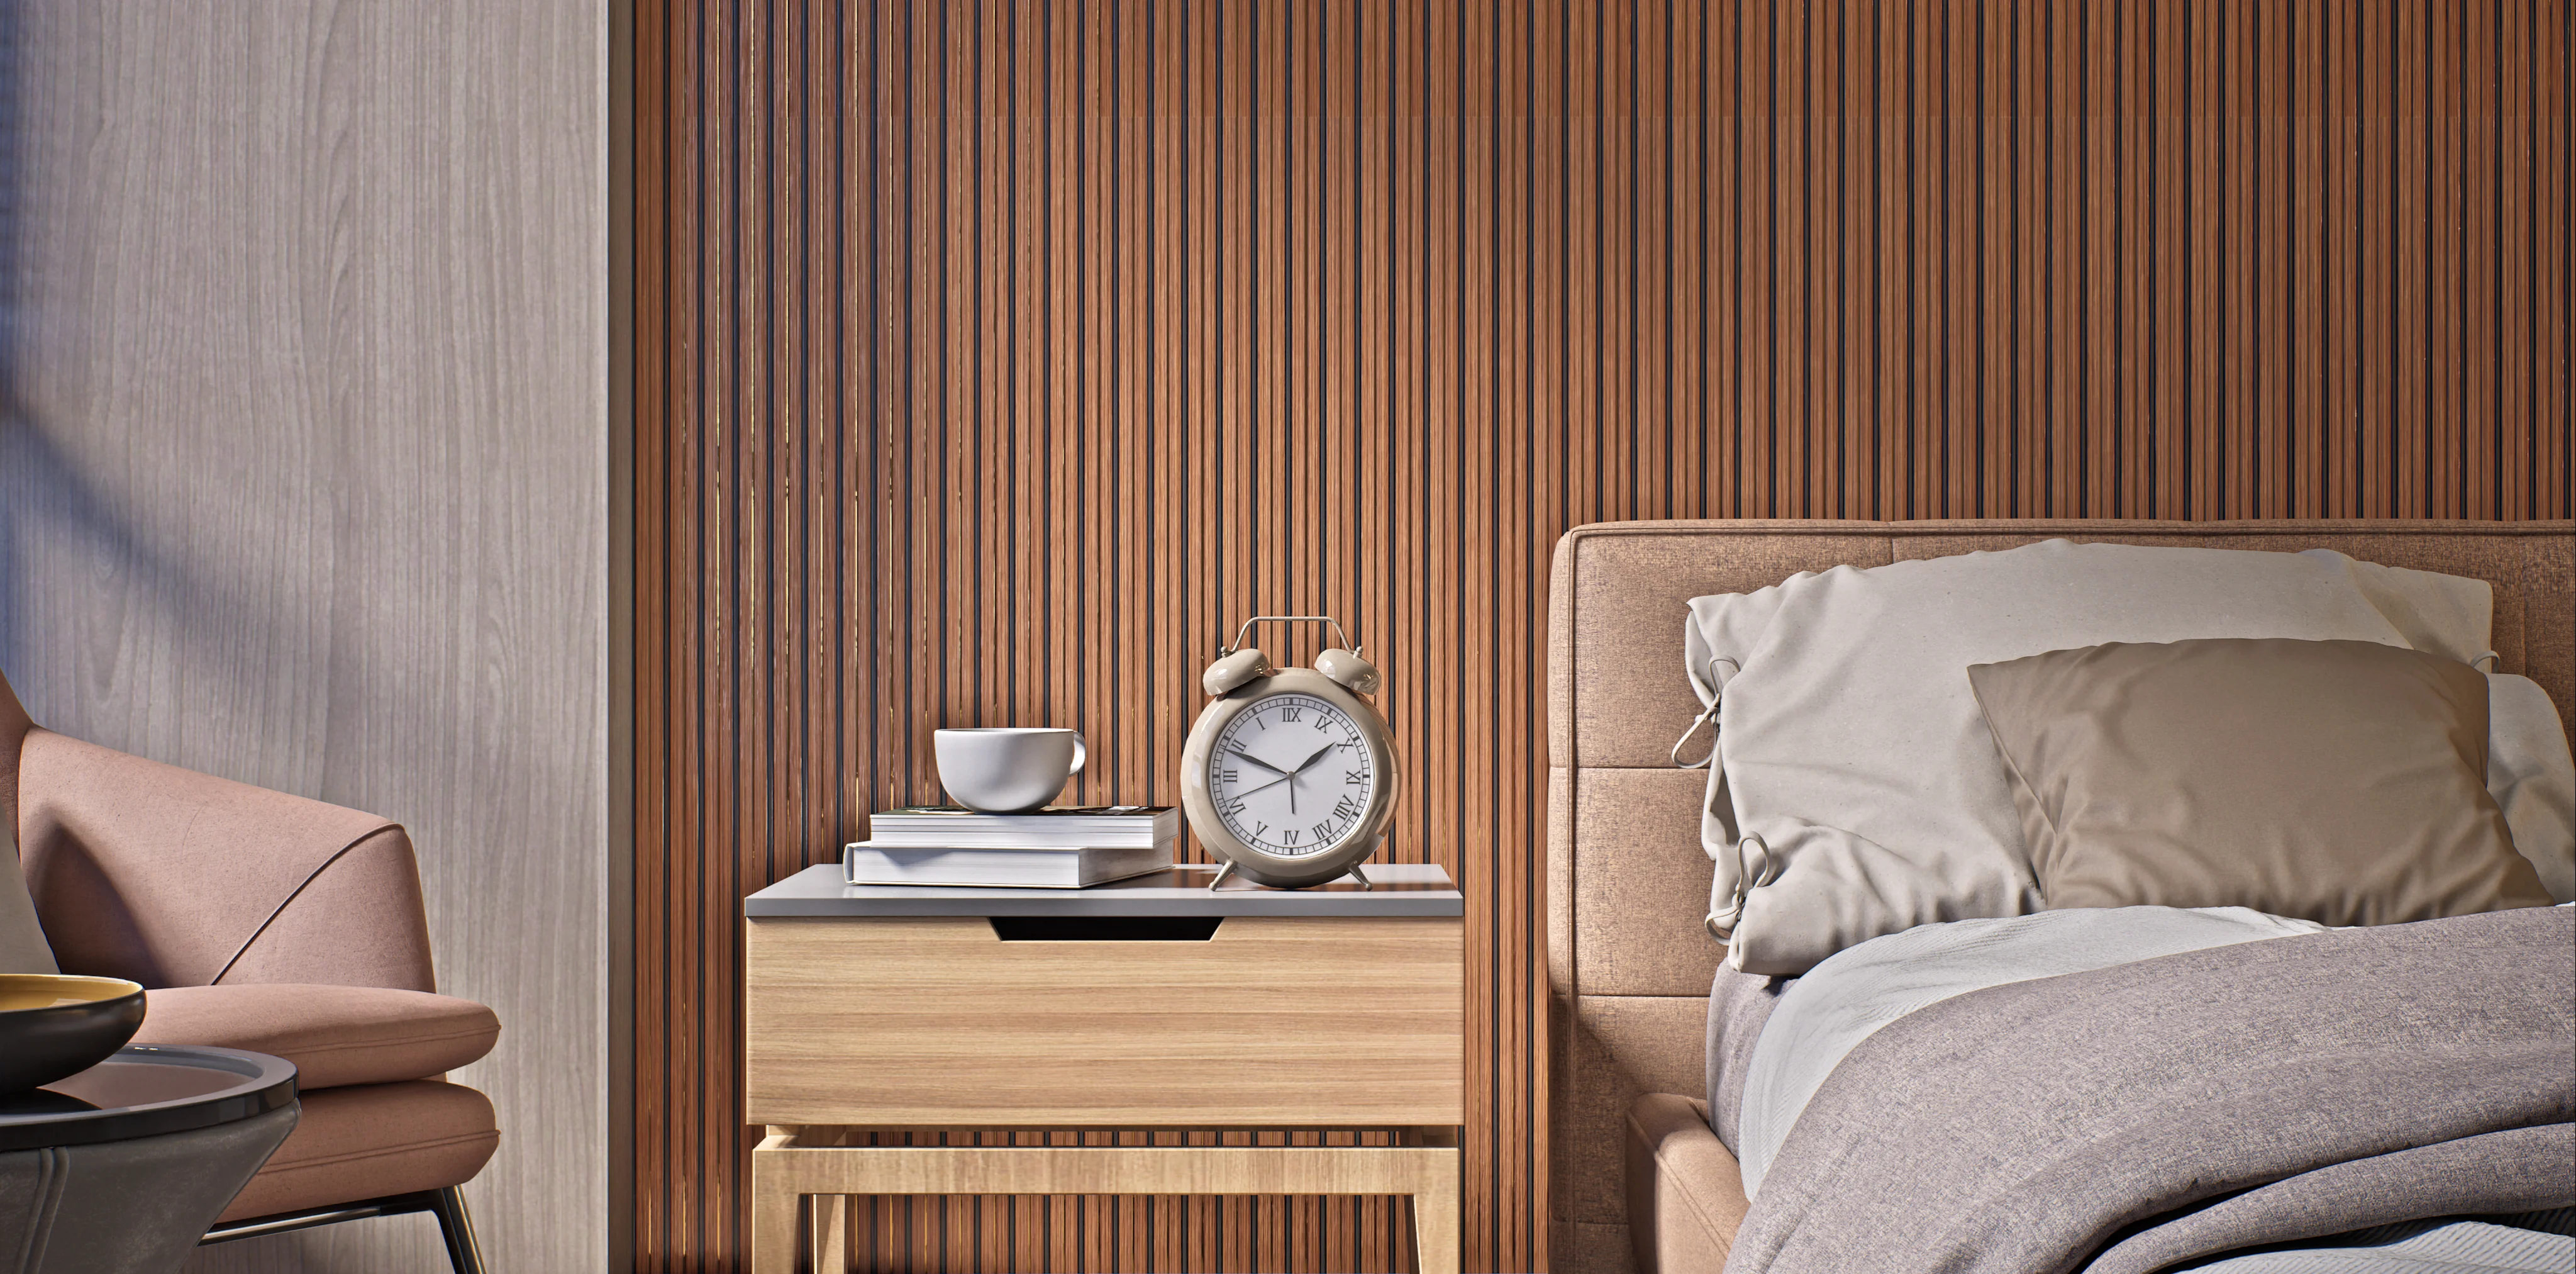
(2532, 776)
(2342, 782)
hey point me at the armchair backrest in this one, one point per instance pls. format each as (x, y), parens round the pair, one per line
(172, 878)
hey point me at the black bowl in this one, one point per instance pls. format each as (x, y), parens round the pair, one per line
(52, 1026)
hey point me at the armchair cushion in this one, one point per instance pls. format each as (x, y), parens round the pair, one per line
(370, 1141)
(336, 1035)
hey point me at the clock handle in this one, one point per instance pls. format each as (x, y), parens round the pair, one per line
(1241, 633)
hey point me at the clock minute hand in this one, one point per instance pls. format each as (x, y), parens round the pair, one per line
(1317, 756)
(1302, 767)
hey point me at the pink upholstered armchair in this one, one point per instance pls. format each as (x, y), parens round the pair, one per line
(268, 922)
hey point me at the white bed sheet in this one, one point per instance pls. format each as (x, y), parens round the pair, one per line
(1845, 999)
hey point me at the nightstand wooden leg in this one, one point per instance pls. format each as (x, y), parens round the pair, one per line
(773, 1206)
(826, 1215)
(826, 1225)
(1435, 1217)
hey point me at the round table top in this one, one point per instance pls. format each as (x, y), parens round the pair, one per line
(145, 1090)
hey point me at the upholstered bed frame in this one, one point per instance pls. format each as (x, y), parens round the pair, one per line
(1629, 963)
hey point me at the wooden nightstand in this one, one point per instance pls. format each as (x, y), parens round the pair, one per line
(1150, 1003)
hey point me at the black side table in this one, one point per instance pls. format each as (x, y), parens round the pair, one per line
(121, 1168)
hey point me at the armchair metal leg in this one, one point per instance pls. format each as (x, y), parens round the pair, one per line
(457, 1227)
(464, 1255)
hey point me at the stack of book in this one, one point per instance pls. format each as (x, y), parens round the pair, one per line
(1054, 848)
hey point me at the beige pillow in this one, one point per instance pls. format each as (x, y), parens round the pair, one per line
(2337, 781)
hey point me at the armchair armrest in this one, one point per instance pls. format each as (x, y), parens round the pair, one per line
(173, 878)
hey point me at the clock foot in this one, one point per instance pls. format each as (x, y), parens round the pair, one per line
(1365, 882)
(1221, 874)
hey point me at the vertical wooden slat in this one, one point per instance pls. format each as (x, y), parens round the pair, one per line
(662, 101)
(1615, 270)
(1963, 279)
(2514, 330)
(2411, 415)
(2448, 356)
(994, 357)
(2482, 251)
(1687, 199)
(2060, 429)
(2102, 300)
(2001, 491)
(2340, 441)
(712, 1220)
(2240, 236)
(2149, 411)
(1720, 56)
(1650, 250)
(1842, 162)
(1829, 384)
(1797, 413)
(1755, 151)
(2374, 306)
(2277, 192)
(2553, 314)
(2307, 149)
(1927, 254)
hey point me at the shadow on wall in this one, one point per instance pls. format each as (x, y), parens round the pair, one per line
(38, 484)
(43, 495)
(62, 526)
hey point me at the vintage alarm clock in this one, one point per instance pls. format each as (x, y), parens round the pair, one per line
(1289, 777)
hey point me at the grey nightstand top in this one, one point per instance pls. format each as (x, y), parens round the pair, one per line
(1403, 889)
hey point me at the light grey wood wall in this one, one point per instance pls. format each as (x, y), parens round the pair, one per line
(303, 480)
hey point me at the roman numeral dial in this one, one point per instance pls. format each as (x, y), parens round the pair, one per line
(1291, 775)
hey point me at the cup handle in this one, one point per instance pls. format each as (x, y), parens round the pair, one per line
(1080, 754)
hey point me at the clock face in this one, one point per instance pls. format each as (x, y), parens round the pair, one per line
(1290, 775)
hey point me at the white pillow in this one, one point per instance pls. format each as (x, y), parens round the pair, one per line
(1857, 791)
(2533, 779)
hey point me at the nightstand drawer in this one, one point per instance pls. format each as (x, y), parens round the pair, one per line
(1272, 1021)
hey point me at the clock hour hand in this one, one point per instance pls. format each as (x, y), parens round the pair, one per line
(1240, 753)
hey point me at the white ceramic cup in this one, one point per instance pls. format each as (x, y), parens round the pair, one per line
(1007, 769)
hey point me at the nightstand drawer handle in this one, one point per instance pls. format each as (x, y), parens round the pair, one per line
(1105, 928)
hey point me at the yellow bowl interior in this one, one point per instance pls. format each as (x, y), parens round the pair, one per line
(21, 991)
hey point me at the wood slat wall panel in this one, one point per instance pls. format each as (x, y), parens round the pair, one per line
(995, 357)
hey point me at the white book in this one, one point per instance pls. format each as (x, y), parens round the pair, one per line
(877, 863)
(1070, 827)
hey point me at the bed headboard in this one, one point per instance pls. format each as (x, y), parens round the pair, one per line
(1629, 963)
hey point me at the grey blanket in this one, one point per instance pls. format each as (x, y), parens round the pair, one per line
(2124, 1119)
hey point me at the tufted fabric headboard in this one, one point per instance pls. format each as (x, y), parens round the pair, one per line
(1629, 963)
